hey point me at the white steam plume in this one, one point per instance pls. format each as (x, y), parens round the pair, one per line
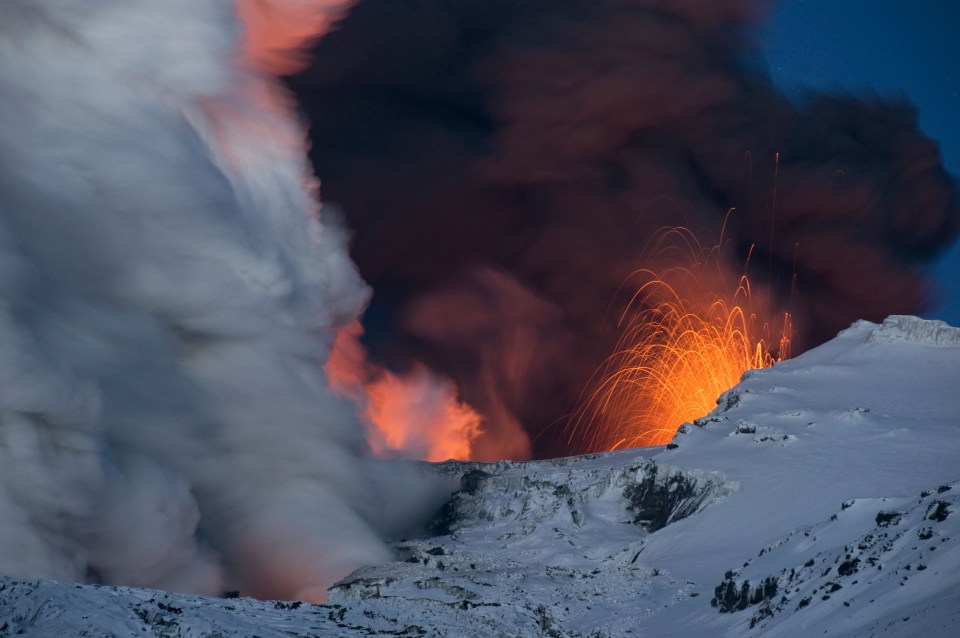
(167, 300)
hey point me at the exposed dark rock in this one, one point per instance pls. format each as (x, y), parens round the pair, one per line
(703, 422)
(730, 596)
(848, 567)
(939, 511)
(886, 517)
(765, 611)
(663, 498)
(445, 521)
(728, 400)
(470, 482)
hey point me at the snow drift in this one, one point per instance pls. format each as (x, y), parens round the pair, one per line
(167, 300)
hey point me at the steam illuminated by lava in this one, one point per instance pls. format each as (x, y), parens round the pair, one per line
(684, 342)
(688, 334)
(415, 416)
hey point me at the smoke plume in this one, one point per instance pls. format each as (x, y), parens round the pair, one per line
(504, 162)
(416, 416)
(168, 298)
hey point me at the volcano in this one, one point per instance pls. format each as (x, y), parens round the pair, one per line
(208, 384)
(820, 496)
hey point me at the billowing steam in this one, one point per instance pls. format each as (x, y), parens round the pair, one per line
(168, 298)
(503, 163)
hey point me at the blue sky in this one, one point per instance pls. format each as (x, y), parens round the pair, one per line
(887, 47)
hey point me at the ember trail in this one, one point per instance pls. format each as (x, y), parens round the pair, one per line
(688, 335)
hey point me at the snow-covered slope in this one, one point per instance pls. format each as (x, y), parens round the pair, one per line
(821, 497)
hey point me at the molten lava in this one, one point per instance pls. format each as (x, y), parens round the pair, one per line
(688, 335)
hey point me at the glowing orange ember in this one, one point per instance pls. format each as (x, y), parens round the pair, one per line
(687, 343)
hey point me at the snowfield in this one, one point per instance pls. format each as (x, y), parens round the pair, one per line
(820, 497)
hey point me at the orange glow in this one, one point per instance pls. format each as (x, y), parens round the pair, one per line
(688, 335)
(276, 32)
(416, 415)
(420, 415)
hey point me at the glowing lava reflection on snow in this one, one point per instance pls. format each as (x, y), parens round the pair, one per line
(684, 341)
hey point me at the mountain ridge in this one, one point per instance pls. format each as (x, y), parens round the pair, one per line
(819, 497)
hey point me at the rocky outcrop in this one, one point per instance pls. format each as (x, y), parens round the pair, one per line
(915, 330)
(664, 495)
(653, 495)
(887, 542)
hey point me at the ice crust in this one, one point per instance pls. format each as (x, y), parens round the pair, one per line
(915, 330)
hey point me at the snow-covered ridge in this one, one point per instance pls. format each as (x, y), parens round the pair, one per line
(525, 495)
(868, 549)
(914, 330)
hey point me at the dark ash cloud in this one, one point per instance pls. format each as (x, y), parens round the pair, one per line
(503, 163)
